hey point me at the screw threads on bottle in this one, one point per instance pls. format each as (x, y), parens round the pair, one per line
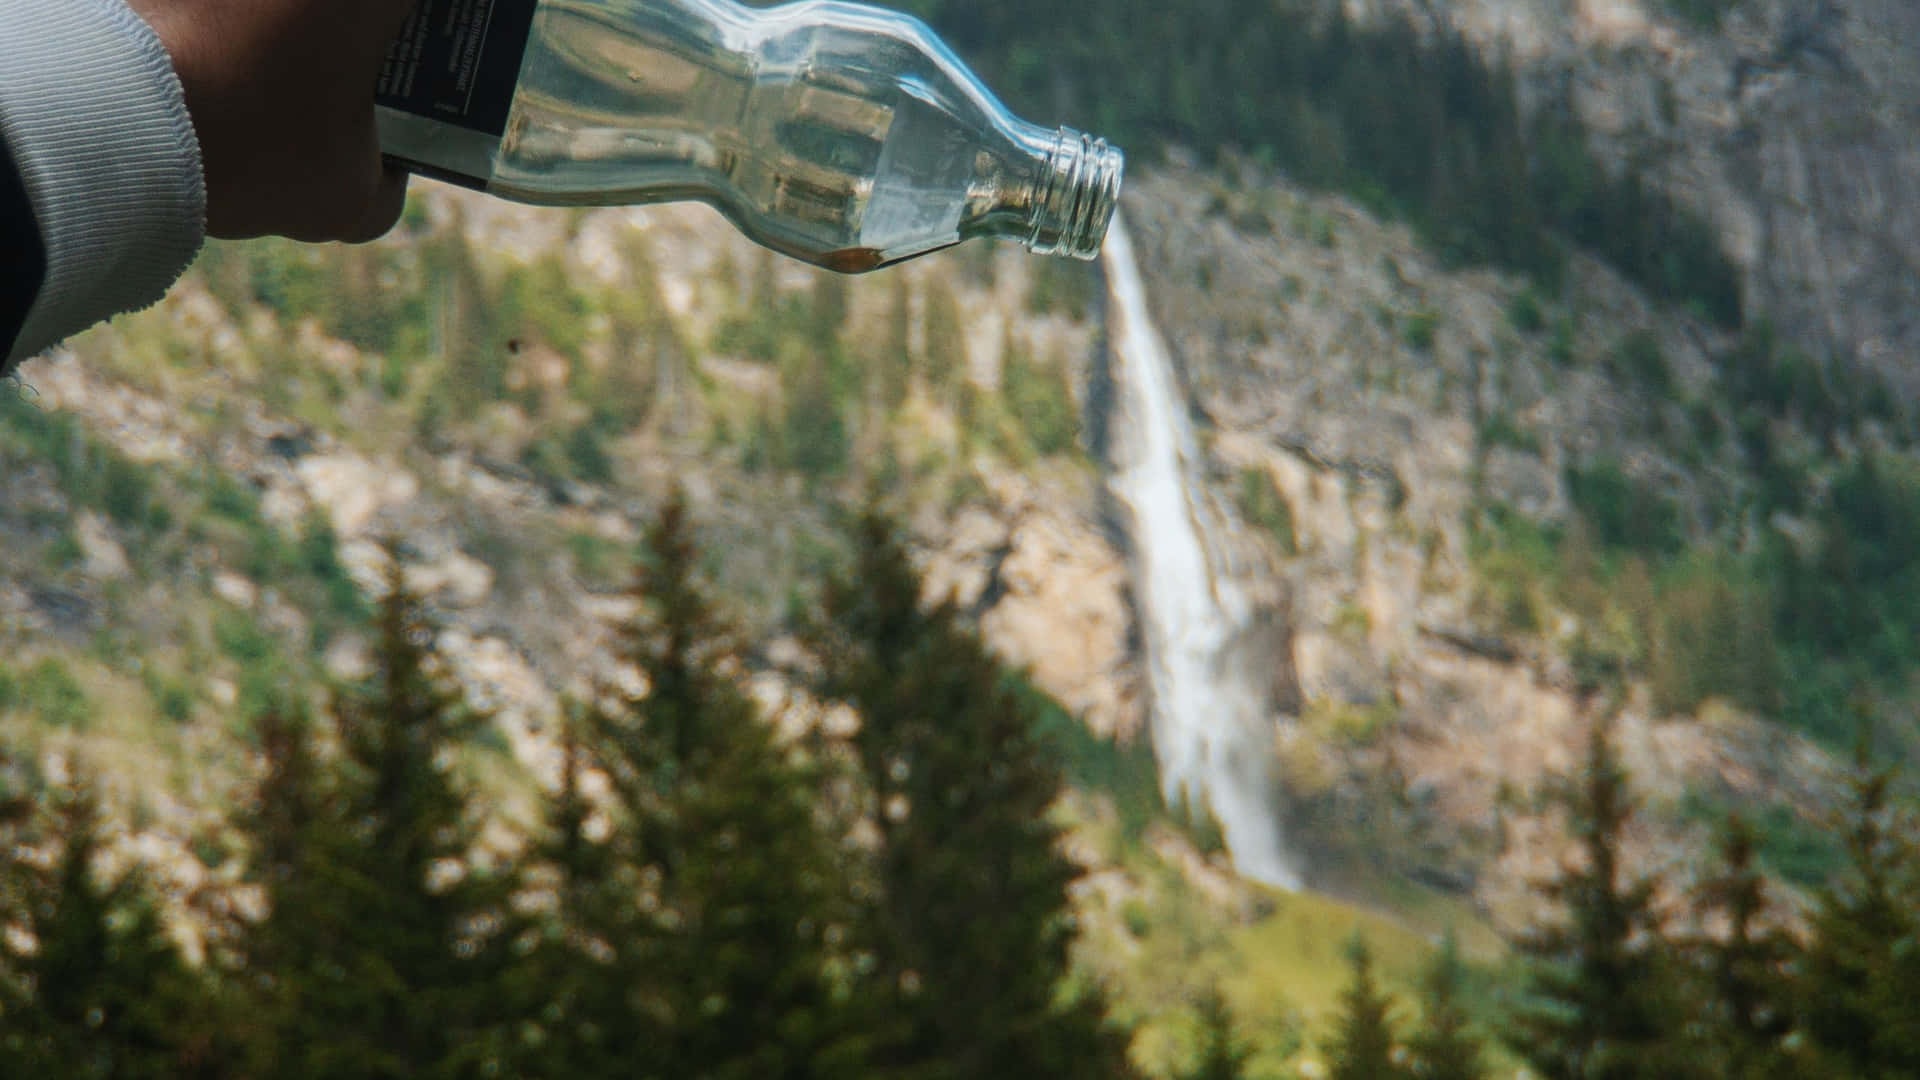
(1077, 197)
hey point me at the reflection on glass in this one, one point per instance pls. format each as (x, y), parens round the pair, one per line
(840, 134)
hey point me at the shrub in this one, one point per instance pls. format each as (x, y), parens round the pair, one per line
(1640, 359)
(50, 690)
(596, 559)
(1499, 429)
(1262, 505)
(1623, 512)
(241, 637)
(1041, 402)
(587, 455)
(1121, 769)
(126, 491)
(1560, 350)
(1713, 637)
(1701, 14)
(1061, 286)
(1419, 329)
(1524, 312)
(172, 699)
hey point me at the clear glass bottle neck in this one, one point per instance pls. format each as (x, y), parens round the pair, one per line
(1077, 193)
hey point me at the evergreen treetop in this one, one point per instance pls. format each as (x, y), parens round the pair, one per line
(1604, 998)
(1362, 1044)
(100, 989)
(1222, 1053)
(705, 914)
(1445, 1047)
(970, 920)
(1859, 978)
(383, 946)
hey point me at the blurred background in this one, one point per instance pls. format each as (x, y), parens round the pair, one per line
(1442, 600)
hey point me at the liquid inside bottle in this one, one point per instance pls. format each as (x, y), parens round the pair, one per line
(840, 134)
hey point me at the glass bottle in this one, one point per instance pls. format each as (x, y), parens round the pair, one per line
(840, 134)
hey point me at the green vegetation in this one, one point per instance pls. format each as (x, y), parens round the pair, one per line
(1638, 360)
(49, 691)
(1500, 429)
(358, 923)
(103, 991)
(1262, 504)
(90, 473)
(1120, 770)
(1222, 1054)
(1040, 400)
(971, 953)
(1625, 512)
(706, 917)
(1447, 1046)
(1701, 14)
(1419, 329)
(1798, 630)
(1601, 1000)
(1411, 121)
(713, 891)
(598, 561)
(1062, 286)
(1362, 1044)
(1525, 313)
(1765, 379)
(1856, 996)
(720, 821)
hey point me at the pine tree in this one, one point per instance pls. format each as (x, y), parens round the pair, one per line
(1744, 1014)
(696, 934)
(1603, 997)
(1361, 1047)
(568, 986)
(103, 992)
(382, 951)
(1223, 1054)
(970, 923)
(1859, 979)
(1445, 1047)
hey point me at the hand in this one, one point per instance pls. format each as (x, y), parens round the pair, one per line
(281, 94)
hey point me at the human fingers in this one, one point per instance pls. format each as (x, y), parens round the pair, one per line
(281, 94)
(385, 208)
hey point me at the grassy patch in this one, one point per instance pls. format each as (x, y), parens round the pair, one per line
(1700, 14)
(1121, 770)
(1040, 400)
(601, 563)
(1062, 287)
(1500, 429)
(1624, 511)
(1265, 507)
(1419, 329)
(47, 690)
(1639, 359)
(1525, 313)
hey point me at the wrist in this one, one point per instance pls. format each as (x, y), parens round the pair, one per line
(98, 128)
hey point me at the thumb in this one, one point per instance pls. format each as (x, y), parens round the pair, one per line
(384, 209)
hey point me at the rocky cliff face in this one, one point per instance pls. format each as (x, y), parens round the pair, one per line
(1357, 405)
(1342, 369)
(1794, 126)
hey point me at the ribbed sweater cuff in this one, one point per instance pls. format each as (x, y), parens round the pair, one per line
(98, 127)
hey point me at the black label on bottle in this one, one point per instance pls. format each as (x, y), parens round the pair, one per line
(457, 61)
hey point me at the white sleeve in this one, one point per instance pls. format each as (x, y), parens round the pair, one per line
(96, 123)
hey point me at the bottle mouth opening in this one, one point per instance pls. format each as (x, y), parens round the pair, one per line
(1078, 196)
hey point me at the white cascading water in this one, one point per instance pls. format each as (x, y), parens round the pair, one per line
(1212, 734)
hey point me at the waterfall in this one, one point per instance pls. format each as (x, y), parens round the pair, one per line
(1211, 722)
